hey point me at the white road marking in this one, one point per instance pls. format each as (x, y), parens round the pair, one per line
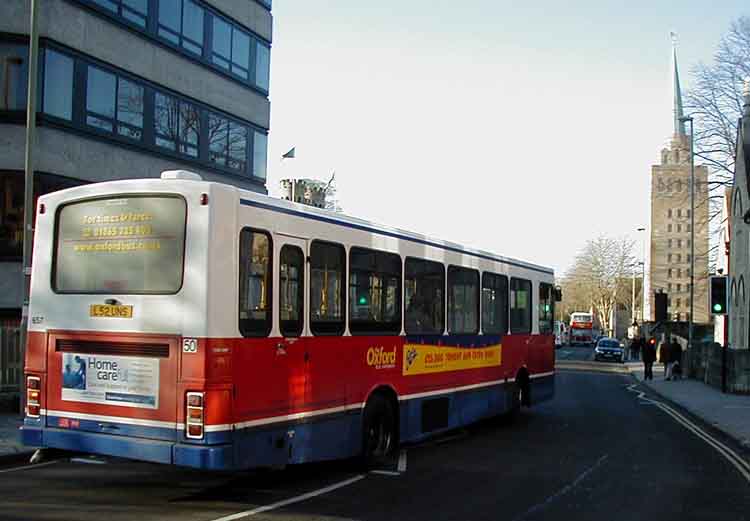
(34, 466)
(385, 472)
(402, 461)
(292, 500)
(88, 461)
(742, 466)
(567, 488)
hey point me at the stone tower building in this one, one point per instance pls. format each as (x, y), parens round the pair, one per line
(670, 249)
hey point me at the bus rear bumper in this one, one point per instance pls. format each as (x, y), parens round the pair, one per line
(208, 457)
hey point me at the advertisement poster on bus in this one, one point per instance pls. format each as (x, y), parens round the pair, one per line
(111, 380)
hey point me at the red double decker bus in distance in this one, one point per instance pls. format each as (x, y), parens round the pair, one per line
(192, 323)
(582, 329)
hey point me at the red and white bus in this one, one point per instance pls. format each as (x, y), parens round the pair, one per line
(582, 329)
(193, 323)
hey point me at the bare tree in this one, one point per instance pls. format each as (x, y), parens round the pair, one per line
(715, 103)
(595, 281)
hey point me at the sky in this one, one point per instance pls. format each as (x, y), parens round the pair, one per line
(520, 128)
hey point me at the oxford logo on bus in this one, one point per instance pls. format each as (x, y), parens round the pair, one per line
(379, 358)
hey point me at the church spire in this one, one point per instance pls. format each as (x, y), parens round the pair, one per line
(679, 126)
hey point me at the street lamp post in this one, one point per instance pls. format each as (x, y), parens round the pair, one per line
(28, 199)
(643, 274)
(689, 119)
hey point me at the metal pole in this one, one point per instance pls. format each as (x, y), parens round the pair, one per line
(28, 198)
(643, 275)
(632, 300)
(692, 235)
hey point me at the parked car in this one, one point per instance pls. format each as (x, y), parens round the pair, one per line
(609, 349)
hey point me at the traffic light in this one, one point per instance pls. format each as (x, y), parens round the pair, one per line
(660, 306)
(719, 292)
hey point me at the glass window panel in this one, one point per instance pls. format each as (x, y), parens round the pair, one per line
(260, 155)
(166, 121)
(520, 306)
(130, 109)
(92, 255)
(546, 309)
(327, 288)
(58, 84)
(218, 133)
(424, 297)
(494, 304)
(291, 290)
(222, 42)
(262, 66)
(189, 129)
(463, 300)
(135, 11)
(374, 292)
(255, 283)
(13, 87)
(192, 27)
(237, 147)
(100, 98)
(240, 53)
(170, 14)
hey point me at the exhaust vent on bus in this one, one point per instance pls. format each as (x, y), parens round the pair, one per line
(113, 348)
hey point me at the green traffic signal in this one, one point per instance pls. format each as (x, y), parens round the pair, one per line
(363, 301)
(717, 308)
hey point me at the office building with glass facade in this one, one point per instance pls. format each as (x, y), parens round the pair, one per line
(127, 89)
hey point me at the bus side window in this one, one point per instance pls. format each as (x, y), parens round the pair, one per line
(520, 306)
(463, 301)
(494, 304)
(424, 297)
(255, 283)
(374, 292)
(327, 288)
(291, 290)
(546, 309)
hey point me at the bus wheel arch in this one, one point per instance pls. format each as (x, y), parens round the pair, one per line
(380, 426)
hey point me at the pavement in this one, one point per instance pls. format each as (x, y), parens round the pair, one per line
(596, 451)
(10, 437)
(729, 413)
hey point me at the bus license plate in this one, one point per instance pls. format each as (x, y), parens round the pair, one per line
(110, 311)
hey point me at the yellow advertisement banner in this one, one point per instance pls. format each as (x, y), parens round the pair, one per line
(425, 359)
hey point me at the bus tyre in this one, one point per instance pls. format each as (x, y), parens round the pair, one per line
(378, 431)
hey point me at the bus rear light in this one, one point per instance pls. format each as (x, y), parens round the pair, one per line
(33, 396)
(195, 399)
(194, 415)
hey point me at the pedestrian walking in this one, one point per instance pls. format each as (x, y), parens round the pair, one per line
(664, 357)
(649, 357)
(636, 347)
(675, 360)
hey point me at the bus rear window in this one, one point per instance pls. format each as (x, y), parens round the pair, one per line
(123, 245)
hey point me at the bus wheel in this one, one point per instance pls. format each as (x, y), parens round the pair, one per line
(378, 431)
